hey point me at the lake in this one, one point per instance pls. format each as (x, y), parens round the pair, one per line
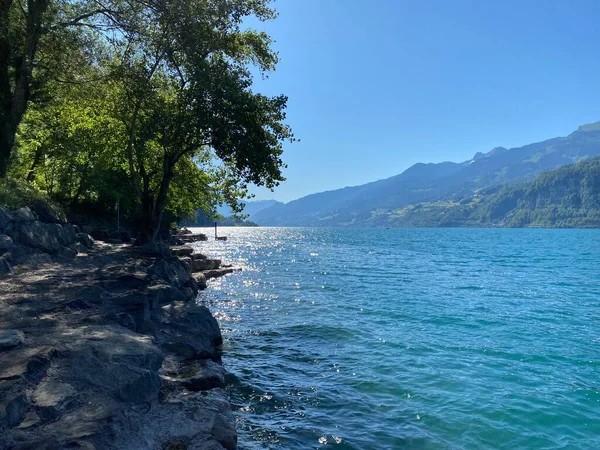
(411, 338)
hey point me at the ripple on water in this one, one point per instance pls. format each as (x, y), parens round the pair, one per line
(411, 339)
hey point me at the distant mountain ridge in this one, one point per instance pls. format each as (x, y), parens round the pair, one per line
(565, 197)
(421, 183)
(251, 208)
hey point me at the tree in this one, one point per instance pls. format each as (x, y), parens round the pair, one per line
(159, 90)
(187, 96)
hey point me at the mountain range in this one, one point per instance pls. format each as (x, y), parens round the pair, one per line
(393, 201)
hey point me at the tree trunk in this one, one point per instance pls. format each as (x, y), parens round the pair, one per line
(154, 207)
(5, 85)
(14, 104)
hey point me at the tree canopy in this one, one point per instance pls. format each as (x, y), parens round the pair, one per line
(151, 102)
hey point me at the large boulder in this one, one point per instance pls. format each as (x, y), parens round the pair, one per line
(64, 236)
(72, 231)
(48, 213)
(22, 215)
(172, 271)
(25, 255)
(118, 361)
(40, 235)
(85, 239)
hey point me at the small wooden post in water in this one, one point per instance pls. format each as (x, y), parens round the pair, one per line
(219, 238)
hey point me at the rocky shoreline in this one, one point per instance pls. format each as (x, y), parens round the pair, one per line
(103, 346)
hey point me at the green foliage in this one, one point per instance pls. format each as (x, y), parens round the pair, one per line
(149, 104)
(567, 197)
(17, 194)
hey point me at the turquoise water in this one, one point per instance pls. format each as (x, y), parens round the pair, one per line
(412, 338)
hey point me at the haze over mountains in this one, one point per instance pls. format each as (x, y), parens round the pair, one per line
(382, 202)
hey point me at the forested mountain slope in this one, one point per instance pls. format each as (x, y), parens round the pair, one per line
(425, 183)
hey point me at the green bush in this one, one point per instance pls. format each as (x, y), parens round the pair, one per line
(17, 194)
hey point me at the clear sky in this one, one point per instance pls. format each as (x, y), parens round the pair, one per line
(375, 86)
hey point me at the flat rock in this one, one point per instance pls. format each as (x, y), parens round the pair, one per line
(181, 250)
(118, 361)
(192, 237)
(199, 376)
(11, 338)
(199, 265)
(43, 236)
(217, 273)
(51, 397)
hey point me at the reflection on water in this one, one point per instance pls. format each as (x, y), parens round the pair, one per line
(433, 338)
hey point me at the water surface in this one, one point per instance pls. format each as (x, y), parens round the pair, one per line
(411, 338)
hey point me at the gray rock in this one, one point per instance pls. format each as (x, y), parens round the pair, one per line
(187, 263)
(141, 386)
(6, 243)
(30, 256)
(22, 215)
(85, 239)
(199, 265)
(201, 281)
(11, 338)
(71, 230)
(193, 285)
(117, 360)
(165, 293)
(48, 213)
(62, 234)
(172, 271)
(188, 293)
(13, 410)
(50, 397)
(217, 273)
(80, 248)
(183, 349)
(200, 376)
(5, 266)
(31, 419)
(40, 235)
(66, 254)
(155, 249)
(181, 250)
(220, 418)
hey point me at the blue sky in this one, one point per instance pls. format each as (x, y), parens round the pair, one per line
(375, 86)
